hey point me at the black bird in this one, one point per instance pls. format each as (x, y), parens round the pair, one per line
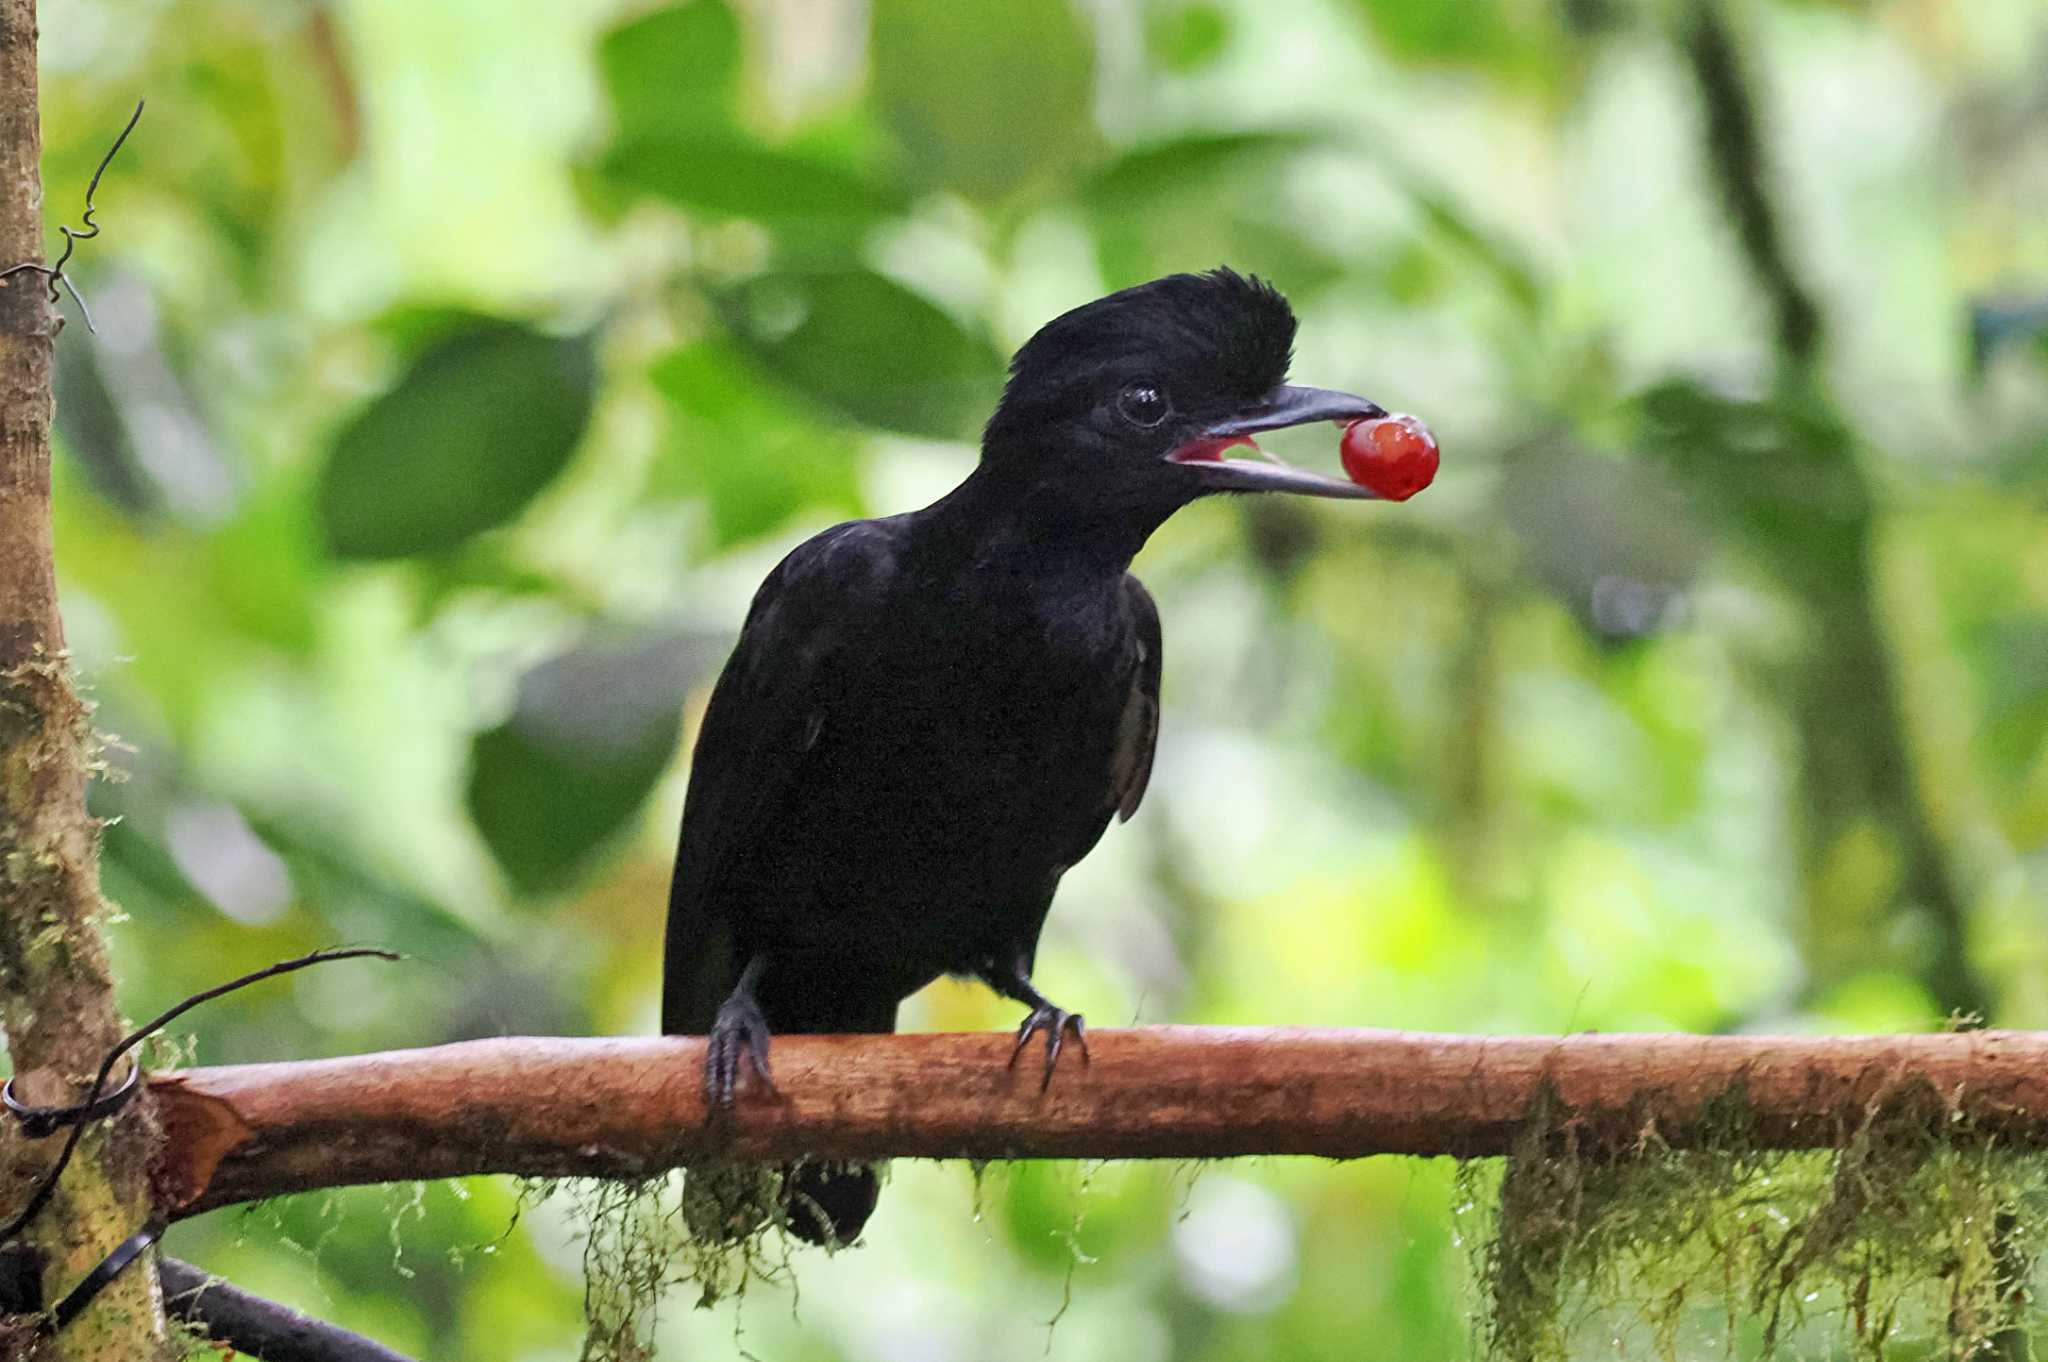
(929, 717)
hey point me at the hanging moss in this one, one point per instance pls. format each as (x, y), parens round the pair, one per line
(1913, 1230)
(717, 1228)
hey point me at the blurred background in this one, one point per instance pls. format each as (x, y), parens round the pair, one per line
(462, 367)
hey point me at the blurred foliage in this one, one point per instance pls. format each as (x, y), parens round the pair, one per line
(461, 368)
(470, 433)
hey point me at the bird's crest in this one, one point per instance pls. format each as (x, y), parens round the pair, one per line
(1221, 334)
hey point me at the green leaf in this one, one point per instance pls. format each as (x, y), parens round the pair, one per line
(868, 348)
(1467, 31)
(472, 431)
(673, 71)
(1483, 33)
(1186, 38)
(755, 459)
(983, 99)
(592, 731)
(1201, 198)
(1143, 175)
(743, 179)
(1493, 253)
(412, 325)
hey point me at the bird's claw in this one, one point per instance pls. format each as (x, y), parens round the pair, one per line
(1055, 1022)
(738, 1033)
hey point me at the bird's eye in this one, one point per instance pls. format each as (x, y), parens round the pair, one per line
(1142, 405)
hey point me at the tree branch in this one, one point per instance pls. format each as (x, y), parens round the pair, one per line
(261, 1328)
(624, 1108)
(1736, 162)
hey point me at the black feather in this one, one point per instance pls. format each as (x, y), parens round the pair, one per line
(930, 717)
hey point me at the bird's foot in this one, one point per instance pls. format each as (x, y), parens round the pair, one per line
(1055, 1022)
(739, 1033)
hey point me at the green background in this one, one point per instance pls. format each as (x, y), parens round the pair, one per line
(463, 366)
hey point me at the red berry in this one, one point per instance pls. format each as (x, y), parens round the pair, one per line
(1395, 455)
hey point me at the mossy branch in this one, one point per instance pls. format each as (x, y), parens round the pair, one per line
(630, 1108)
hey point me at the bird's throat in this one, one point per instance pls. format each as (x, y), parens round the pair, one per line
(1044, 524)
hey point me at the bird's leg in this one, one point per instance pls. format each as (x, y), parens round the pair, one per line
(739, 1030)
(1055, 1021)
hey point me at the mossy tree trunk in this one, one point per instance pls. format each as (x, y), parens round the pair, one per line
(56, 995)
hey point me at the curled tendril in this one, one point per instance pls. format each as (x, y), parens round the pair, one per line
(55, 273)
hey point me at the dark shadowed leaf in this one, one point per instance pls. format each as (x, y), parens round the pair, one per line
(675, 70)
(741, 179)
(591, 732)
(1779, 470)
(868, 348)
(1998, 324)
(470, 434)
(983, 98)
(127, 411)
(754, 456)
(92, 430)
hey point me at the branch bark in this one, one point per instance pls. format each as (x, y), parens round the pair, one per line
(626, 1108)
(56, 995)
(262, 1328)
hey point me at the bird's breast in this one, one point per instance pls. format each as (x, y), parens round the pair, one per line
(977, 748)
(961, 761)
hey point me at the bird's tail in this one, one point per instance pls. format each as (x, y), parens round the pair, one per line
(828, 1203)
(820, 1202)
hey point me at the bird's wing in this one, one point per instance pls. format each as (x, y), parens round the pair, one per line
(765, 717)
(1138, 731)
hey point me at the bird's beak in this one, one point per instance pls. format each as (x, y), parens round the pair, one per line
(1285, 406)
